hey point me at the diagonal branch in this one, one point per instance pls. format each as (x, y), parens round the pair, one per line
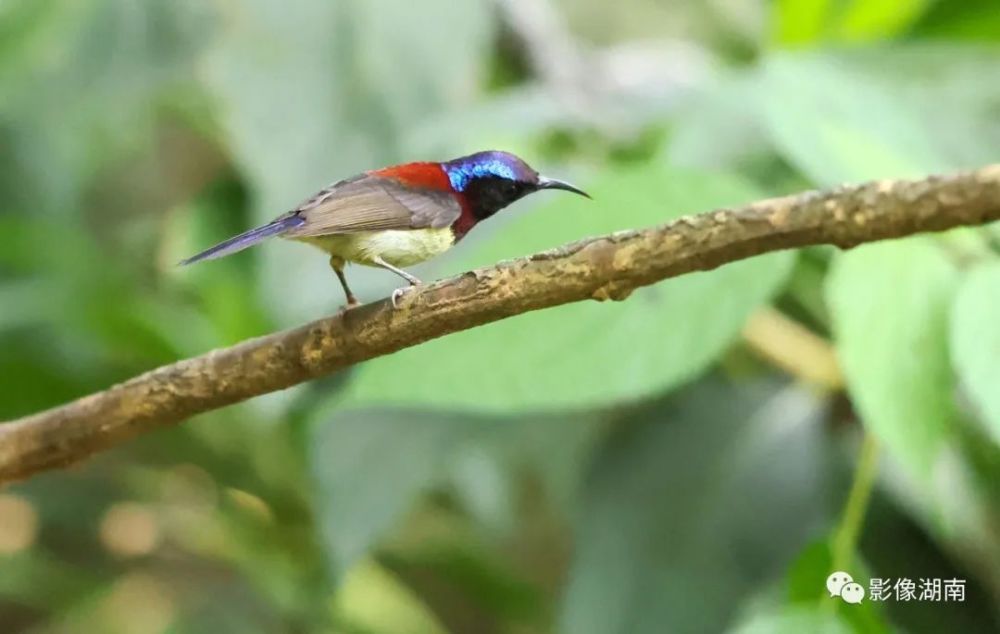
(605, 267)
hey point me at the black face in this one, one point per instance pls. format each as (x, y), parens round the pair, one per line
(489, 194)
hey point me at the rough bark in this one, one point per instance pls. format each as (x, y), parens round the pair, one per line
(604, 267)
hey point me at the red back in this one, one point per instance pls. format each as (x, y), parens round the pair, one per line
(431, 176)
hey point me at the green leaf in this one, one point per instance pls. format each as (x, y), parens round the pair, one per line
(966, 20)
(794, 621)
(888, 304)
(837, 125)
(688, 510)
(801, 21)
(372, 599)
(806, 581)
(872, 114)
(429, 71)
(69, 120)
(64, 583)
(919, 78)
(717, 129)
(27, 302)
(370, 466)
(975, 341)
(870, 20)
(588, 354)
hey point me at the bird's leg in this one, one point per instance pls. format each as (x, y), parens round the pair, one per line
(396, 294)
(400, 272)
(337, 264)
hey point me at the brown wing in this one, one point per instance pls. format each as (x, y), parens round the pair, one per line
(373, 203)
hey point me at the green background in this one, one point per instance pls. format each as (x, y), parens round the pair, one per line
(670, 463)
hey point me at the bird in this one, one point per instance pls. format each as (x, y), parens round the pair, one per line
(398, 216)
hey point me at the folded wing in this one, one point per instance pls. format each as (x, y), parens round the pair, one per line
(374, 203)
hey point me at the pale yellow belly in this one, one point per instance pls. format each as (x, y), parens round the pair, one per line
(398, 248)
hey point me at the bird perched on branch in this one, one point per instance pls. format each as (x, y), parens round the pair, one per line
(399, 216)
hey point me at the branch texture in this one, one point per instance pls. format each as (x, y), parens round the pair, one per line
(605, 267)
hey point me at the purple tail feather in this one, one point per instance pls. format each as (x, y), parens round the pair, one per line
(246, 239)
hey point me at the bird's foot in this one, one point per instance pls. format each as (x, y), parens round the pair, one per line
(351, 303)
(398, 295)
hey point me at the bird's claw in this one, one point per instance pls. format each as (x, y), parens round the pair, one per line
(398, 294)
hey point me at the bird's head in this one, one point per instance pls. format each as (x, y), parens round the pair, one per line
(492, 180)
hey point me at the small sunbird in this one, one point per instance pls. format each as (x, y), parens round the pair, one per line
(398, 216)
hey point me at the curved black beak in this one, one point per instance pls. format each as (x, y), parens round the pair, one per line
(552, 183)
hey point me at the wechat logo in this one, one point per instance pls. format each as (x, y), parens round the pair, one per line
(840, 584)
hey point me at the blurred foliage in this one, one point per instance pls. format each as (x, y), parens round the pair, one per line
(609, 468)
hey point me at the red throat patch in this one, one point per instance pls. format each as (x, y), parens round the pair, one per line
(465, 222)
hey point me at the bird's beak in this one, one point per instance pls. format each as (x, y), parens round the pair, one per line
(552, 183)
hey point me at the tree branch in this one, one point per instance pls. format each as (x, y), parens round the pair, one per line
(605, 267)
